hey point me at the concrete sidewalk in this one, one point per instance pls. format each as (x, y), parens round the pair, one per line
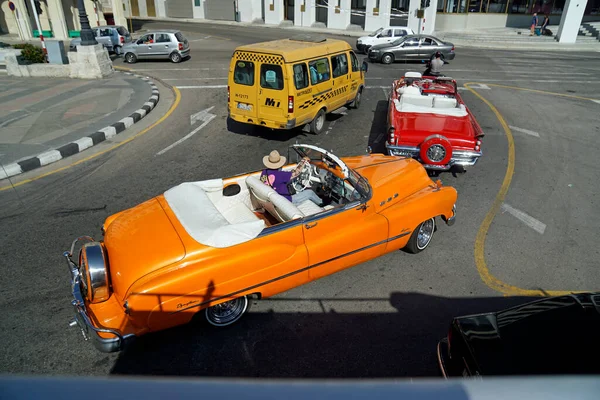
(44, 120)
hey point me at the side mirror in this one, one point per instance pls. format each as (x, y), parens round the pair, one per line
(365, 66)
(369, 150)
(378, 35)
(139, 41)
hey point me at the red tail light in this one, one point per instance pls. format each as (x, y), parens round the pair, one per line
(228, 93)
(122, 39)
(180, 46)
(452, 48)
(290, 104)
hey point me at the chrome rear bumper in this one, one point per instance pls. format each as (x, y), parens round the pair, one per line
(463, 158)
(82, 319)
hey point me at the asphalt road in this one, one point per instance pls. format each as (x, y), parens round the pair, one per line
(379, 319)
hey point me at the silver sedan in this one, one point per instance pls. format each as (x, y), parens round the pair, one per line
(411, 47)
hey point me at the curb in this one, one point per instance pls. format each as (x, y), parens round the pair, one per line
(77, 146)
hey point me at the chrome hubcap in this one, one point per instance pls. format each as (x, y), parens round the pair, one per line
(425, 233)
(228, 312)
(436, 153)
(320, 122)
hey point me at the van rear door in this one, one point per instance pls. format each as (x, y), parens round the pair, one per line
(272, 94)
(243, 90)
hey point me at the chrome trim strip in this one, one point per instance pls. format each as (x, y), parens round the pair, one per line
(320, 93)
(293, 272)
(82, 318)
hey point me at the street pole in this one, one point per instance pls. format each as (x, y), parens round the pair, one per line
(39, 27)
(87, 35)
(130, 15)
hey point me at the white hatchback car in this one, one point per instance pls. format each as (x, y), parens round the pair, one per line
(382, 36)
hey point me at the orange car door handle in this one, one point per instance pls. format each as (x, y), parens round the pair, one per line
(308, 226)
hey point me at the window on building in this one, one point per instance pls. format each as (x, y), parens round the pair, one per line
(244, 73)
(300, 76)
(339, 65)
(319, 71)
(271, 76)
(355, 65)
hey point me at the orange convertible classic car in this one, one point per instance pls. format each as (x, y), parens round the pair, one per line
(204, 248)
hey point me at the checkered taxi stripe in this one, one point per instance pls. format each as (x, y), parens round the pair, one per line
(323, 97)
(259, 58)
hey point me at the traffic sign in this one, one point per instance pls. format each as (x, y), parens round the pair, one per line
(11, 5)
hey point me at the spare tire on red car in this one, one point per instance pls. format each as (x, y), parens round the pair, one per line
(436, 150)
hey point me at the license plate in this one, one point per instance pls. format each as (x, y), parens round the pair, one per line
(244, 106)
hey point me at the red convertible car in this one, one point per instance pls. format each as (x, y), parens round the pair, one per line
(428, 121)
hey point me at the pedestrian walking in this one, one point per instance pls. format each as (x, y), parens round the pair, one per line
(534, 22)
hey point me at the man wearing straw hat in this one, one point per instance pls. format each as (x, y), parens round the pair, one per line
(280, 180)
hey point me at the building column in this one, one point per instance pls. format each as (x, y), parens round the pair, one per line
(250, 10)
(273, 12)
(119, 13)
(57, 19)
(571, 21)
(377, 14)
(427, 25)
(306, 17)
(338, 14)
(23, 22)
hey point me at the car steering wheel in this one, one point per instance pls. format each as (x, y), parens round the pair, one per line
(304, 179)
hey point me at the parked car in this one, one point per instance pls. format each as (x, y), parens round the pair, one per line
(553, 335)
(411, 47)
(382, 36)
(160, 44)
(112, 37)
(205, 248)
(429, 121)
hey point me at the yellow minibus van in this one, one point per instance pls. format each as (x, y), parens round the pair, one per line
(287, 83)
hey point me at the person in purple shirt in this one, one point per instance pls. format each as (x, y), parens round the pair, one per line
(279, 180)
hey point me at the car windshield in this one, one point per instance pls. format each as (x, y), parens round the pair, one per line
(317, 154)
(398, 41)
(376, 32)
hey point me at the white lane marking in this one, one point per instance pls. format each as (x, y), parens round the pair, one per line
(330, 127)
(527, 219)
(480, 86)
(386, 93)
(202, 87)
(207, 117)
(527, 131)
(194, 79)
(13, 119)
(200, 115)
(178, 69)
(596, 101)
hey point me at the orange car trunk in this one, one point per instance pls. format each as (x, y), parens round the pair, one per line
(140, 241)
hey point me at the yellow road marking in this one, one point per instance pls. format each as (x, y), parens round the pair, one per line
(482, 268)
(164, 117)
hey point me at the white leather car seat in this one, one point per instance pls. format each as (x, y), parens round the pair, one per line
(444, 102)
(275, 204)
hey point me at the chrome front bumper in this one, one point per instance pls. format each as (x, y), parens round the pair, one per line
(82, 319)
(463, 158)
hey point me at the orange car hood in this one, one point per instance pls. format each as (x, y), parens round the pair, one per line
(139, 241)
(391, 178)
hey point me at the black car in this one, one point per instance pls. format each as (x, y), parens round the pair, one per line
(554, 335)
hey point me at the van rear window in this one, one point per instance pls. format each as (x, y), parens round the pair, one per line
(244, 73)
(271, 76)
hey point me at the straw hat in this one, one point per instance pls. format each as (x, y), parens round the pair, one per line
(274, 160)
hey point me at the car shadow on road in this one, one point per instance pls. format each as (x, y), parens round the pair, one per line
(378, 132)
(327, 344)
(281, 135)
